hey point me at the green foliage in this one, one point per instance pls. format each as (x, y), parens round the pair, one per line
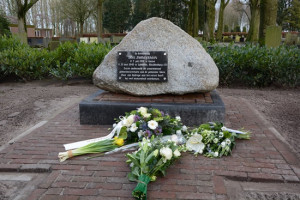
(10, 43)
(116, 15)
(237, 29)
(77, 60)
(257, 66)
(4, 25)
(139, 12)
(288, 14)
(226, 28)
(26, 63)
(249, 65)
(69, 60)
(175, 11)
(244, 29)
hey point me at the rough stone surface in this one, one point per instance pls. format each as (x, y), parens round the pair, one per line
(190, 68)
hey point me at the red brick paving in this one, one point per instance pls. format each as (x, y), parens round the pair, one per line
(264, 158)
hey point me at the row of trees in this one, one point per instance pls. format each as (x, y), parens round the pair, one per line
(74, 17)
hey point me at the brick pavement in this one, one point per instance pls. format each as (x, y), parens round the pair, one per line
(264, 158)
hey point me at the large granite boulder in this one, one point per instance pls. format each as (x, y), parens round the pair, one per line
(190, 68)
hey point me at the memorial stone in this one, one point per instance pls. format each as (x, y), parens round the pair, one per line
(188, 67)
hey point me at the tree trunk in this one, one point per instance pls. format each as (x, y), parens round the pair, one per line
(190, 18)
(268, 15)
(209, 25)
(81, 28)
(221, 18)
(254, 21)
(196, 18)
(100, 20)
(22, 30)
(22, 9)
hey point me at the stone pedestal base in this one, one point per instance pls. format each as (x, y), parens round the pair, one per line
(194, 109)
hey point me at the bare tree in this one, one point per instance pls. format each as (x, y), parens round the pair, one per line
(100, 19)
(22, 8)
(78, 10)
(223, 5)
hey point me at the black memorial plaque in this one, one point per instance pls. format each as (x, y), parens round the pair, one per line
(142, 66)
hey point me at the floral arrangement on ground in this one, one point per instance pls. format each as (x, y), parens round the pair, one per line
(158, 140)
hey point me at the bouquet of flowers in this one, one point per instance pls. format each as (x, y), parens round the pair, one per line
(128, 129)
(145, 122)
(95, 147)
(151, 159)
(213, 140)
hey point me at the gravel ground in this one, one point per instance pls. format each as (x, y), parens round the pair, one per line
(22, 105)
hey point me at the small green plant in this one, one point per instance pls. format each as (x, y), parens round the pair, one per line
(226, 28)
(244, 29)
(237, 29)
(4, 24)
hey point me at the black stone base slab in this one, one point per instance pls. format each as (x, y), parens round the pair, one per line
(103, 112)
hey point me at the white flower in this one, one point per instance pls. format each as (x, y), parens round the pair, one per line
(223, 128)
(216, 154)
(146, 142)
(140, 133)
(174, 138)
(195, 143)
(221, 135)
(178, 132)
(131, 165)
(184, 128)
(228, 142)
(152, 124)
(216, 140)
(223, 144)
(128, 121)
(114, 125)
(142, 110)
(178, 118)
(166, 152)
(177, 153)
(146, 115)
(133, 127)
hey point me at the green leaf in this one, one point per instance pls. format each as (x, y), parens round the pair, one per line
(123, 133)
(133, 159)
(135, 171)
(158, 119)
(205, 126)
(150, 157)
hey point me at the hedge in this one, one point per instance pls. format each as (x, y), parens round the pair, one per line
(69, 60)
(248, 65)
(252, 65)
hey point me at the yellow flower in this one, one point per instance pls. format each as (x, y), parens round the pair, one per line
(119, 141)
